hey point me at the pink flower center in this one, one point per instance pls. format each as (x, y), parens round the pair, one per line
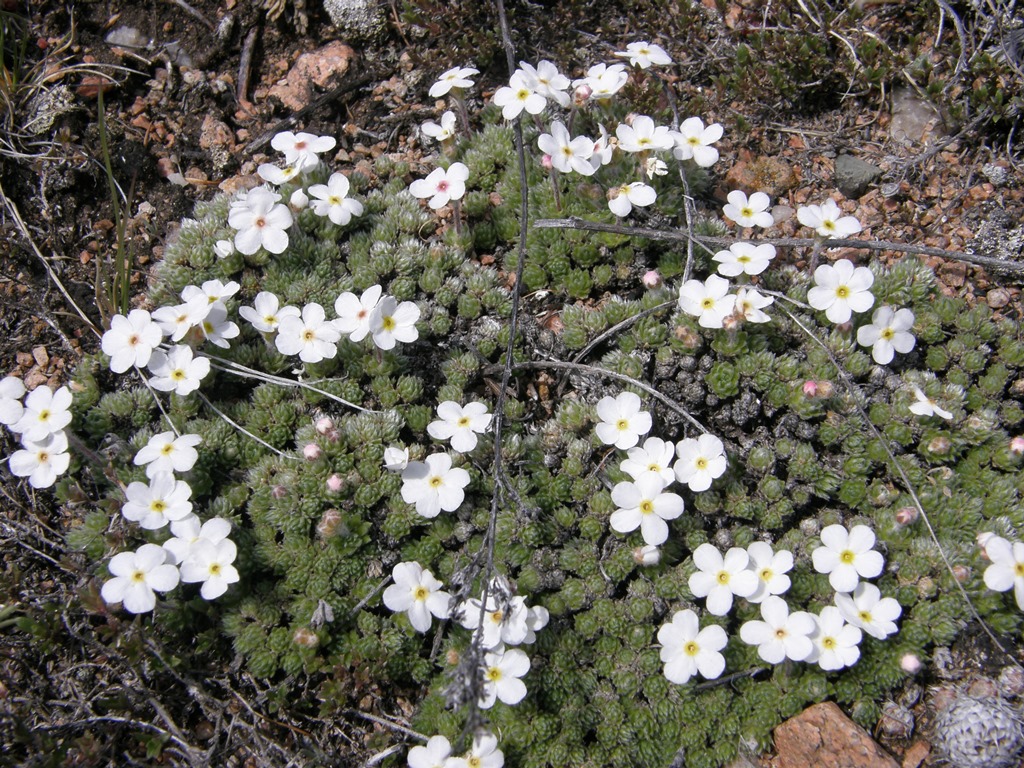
(442, 186)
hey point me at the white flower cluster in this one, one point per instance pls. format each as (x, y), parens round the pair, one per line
(40, 421)
(437, 753)
(1007, 569)
(197, 552)
(757, 574)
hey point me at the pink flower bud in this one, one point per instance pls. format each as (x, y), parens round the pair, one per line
(1017, 445)
(278, 492)
(961, 573)
(905, 516)
(647, 555)
(335, 483)
(324, 425)
(810, 388)
(910, 664)
(582, 94)
(311, 452)
(545, 163)
(651, 279)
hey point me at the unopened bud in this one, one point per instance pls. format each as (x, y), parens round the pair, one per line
(299, 200)
(305, 637)
(311, 451)
(396, 459)
(651, 279)
(324, 425)
(961, 573)
(328, 525)
(452, 657)
(1017, 445)
(278, 492)
(545, 163)
(335, 483)
(810, 388)
(905, 516)
(647, 555)
(939, 445)
(582, 94)
(688, 337)
(910, 663)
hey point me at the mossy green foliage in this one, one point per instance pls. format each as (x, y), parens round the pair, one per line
(313, 560)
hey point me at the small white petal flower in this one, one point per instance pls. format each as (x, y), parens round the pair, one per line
(442, 132)
(311, 336)
(45, 412)
(354, 312)
(273, 175)
(688, 650)
(434, 485)
(925, 406)
(622, 421)
(827, 220)
(745, 258)
(710, 302)
(332, 200)
(621, 199)
(396, 459)
(643, 135)
(567, 154)
(519, 94)
(604, 80)
(507, 619)
(847, 556)
(720, 578)
(644, 505)
(841, 290)
(391, 322)
(654, 458)
(178, 320)
(1007, 569)
(867, 610)
(434, 755)
(483, 753)
(782, 634)
(301, 149)
(749, 304)
(502, 670)
(137, 575)
(162, 501)
(701, 461)
(888, 333)
(216, 327)
(12, 390)
(547, 81)
(185, 533)
(417, 594)
(693, 141)
(130, 340)
(460, 424)
(211, 563)
(298, 200)
(836, 643)
(456, 77)
(223, 248)
(644, 54)
(266, 312)
(166, 453)
(261, 221)
(770, 568)
(42, 461)
(752, 212)
(442, 185)
(178, 371)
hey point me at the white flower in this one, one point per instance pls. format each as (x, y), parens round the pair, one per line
(223, 248)
(710, 302)
(646, 506)
(752, 212)
(43, 461)
(211, 290)
(311, 336)
(507, 618)
(693, 142)
(518, 95)
(460, 424)
(770, 568)
(261, 221)
(847, 556)
(643, 135)
(391, 322)
(841, 289)
(749, 304)
(622, 421)
(604, 80)
(332, 200)
(720, 578)
(502, 670)
(274, 175)
(442, 132)
(603, 149)
(185, 533)
(301, 149)
(441, 186)
(155, 505)
(434, 485)
(211, 563)
(166, 453)
(701, 460)
(621, 199)
(11, 391)
(266, 312)
(396, 459)
(434, 755)
(177, 371)
(827, 221)
(217, 328)
(484, 753)
(45, 412)
(567, 154)
(354, 312)
(688, 650)
(782, 634)
(137, 575)
(456, 77)
(888, 333)
(925, 406)
(869, 611)
(745, 258)
(654, 166)
(178, 320)
(654, 458)
(417, 594)
(130, 340)
(547, 81)
(298, 200)
(836, 643)
(1007, 569)
(644, 54)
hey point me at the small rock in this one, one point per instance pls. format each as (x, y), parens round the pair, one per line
(320, 68)
(913, 118)
(40, 355)
(1011, 681)
(916, 755)
(854, 176)
(897, 721)
(824, 737)
(997, 298)
(360, 20)
(217, 139)
(996, 174)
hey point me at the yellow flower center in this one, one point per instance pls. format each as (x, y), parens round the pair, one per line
(1018, 569)
(766, 574)
(707, 303)
(646, 507)
(701, 463)
(138, 576)
(843, 292)
(420, 593)
(493, 674)
(622, 425)
(746, 212)
(847, 557)
(334, 200)
(829, 225)
(436, 481)
(723, 577)
(691, 648)
(888, 333)
(178, 375)
(44, 415)
(168, 449)
(463, 421)
(215, 569)
(781, 633)
(388, 323)
(158, 506)
(865, 616)
(828, 643)
(522, 94)
(308, 335)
